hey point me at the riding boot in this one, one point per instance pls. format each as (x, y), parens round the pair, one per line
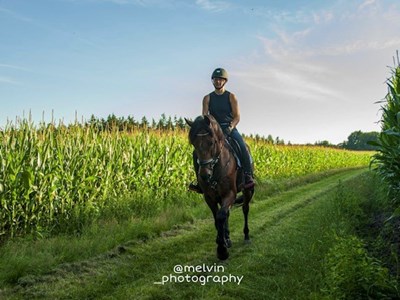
(245, 160)
(248, 171)
(194, 186)
(249, 182)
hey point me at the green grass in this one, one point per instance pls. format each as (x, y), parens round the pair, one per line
(292, 231)
(31, 256)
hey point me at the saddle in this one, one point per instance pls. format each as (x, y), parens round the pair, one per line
(234, 147)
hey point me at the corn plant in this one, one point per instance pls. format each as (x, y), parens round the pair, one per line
(387, 159)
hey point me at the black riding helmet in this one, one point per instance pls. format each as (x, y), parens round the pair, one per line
(220, 73)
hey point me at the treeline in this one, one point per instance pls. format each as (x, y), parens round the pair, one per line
(357, 140)
(129, 123)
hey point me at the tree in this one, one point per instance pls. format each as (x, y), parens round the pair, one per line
(144, 123)
(359, 140)
(278, 141)
(323, 143)
(162, 122)
(270, 139)
(180, 123)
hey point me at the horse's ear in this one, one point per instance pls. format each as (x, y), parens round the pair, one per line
(207, 119)
(189, 122)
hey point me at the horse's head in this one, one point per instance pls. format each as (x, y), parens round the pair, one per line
(207, 138)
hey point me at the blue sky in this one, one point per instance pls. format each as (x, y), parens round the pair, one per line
(305, 71)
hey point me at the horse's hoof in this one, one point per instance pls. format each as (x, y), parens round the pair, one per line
(228, 243)
(247, 241)
(222, 253)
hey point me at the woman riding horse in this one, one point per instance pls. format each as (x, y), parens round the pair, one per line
(216, 168)
(218, 178)
(223, 106)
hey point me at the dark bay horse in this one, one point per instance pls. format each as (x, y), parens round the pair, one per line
(218, 177)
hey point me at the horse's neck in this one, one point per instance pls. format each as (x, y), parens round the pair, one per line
(225, 153)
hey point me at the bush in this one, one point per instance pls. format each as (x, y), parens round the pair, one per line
(352, 274)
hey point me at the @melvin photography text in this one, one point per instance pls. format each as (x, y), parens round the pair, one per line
(200, 274)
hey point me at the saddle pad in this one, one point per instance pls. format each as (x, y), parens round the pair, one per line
(235, 148)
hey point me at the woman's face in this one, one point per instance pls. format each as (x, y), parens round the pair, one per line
(218, 82)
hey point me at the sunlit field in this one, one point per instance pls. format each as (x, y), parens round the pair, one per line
(55, 178)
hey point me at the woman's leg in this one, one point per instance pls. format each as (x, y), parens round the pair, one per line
(246, 161)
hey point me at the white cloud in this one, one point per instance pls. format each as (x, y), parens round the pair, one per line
(306, 80)
(276, 16)
(7, 80)
(295, 36)
(213, 6)
(323, 17)
(13, 67)
(323, 75)
(144, 3)
(136, 2)
(15, 15)
(361, 46)
(369, 27)
(367, 3)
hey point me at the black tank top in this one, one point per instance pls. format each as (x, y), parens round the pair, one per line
(220, 108)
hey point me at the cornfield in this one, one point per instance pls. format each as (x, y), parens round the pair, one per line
(53, 175)
(282, 161)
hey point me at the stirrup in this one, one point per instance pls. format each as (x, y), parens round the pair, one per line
(195, 188)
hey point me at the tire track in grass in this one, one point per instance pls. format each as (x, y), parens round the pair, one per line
(290, 201)
(130, 271)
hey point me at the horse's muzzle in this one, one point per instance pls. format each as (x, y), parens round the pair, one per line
(207, 168)
(206, 177)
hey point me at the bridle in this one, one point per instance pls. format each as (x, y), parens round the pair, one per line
(210, 163)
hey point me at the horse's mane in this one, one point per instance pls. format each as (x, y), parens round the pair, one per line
(202, 125)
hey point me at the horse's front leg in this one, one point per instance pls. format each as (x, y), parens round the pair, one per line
(247, 197)
(228, 242)
(222, 250)
(213, 205)
(222, 226)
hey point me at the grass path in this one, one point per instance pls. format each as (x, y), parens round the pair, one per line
(289, 240)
